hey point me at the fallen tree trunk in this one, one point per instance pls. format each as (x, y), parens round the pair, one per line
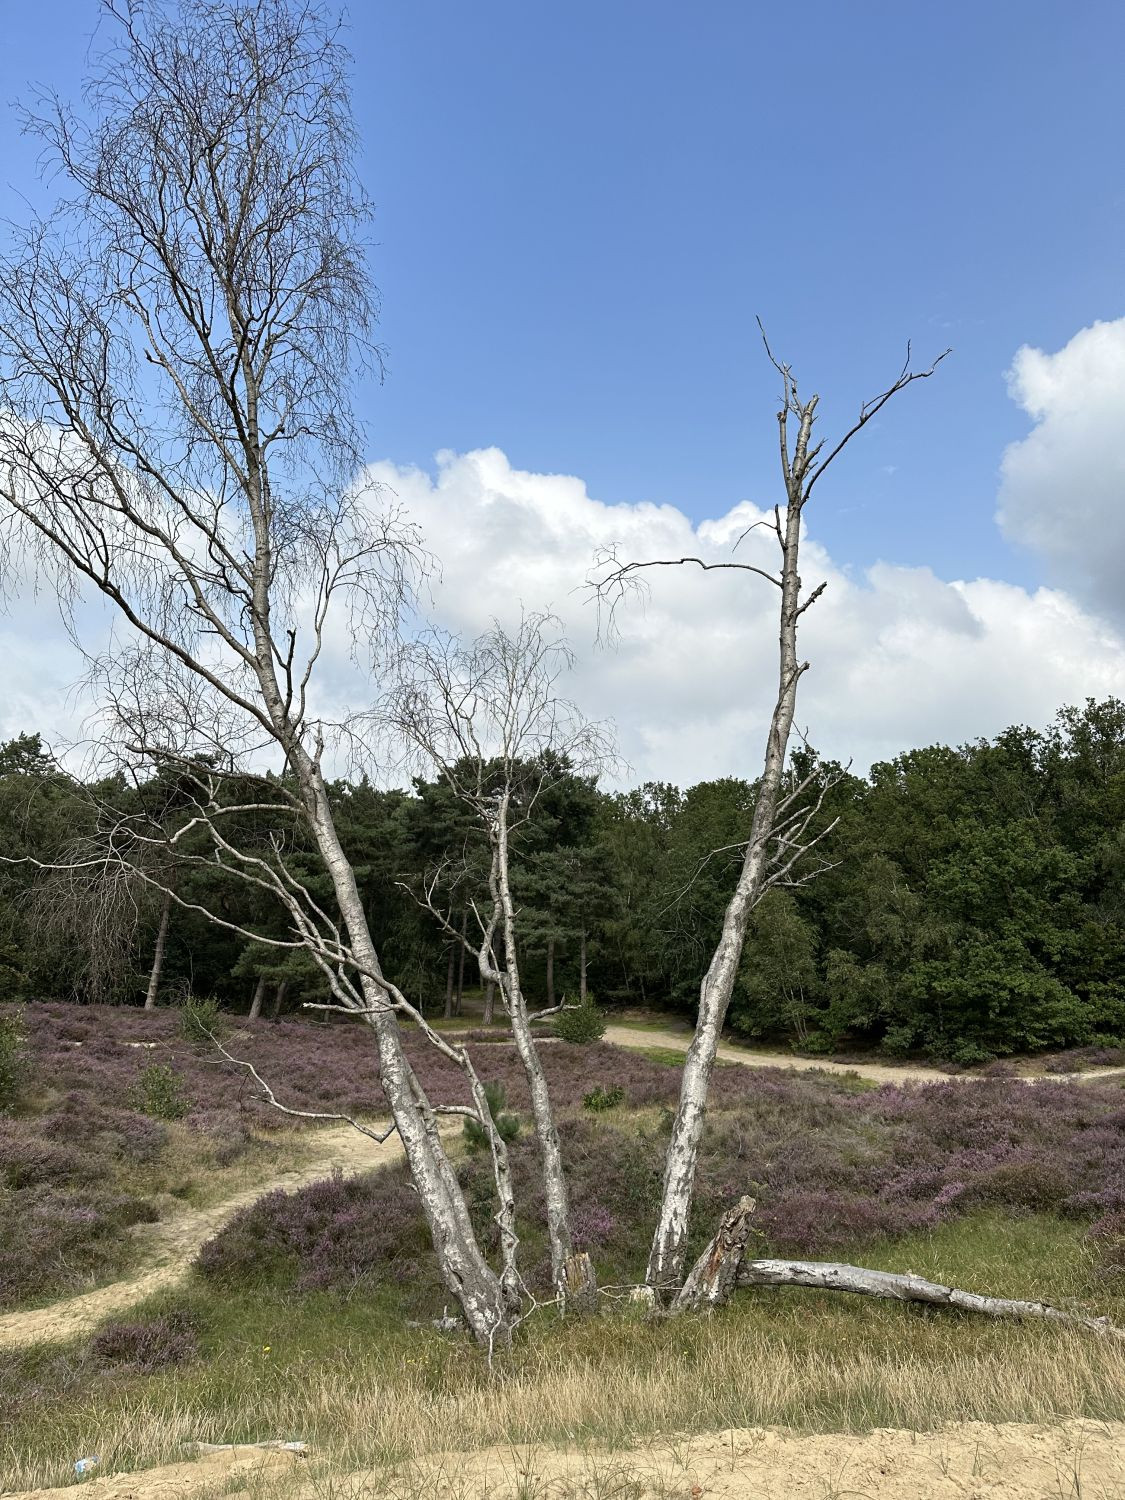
(828, 1276)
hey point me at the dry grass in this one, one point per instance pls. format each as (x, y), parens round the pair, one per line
(798, 1362)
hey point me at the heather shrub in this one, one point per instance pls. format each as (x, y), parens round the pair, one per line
(121, 1133)
(53, 1241)
(333, 1234)
(580, 1024)
(147, 1346)
(14, 1058)
(1033, 1185)
(160, 1092)
(27, 1159)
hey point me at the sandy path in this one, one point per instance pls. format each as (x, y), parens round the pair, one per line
(628, 1036)
(173, 1244)
(970, 1461)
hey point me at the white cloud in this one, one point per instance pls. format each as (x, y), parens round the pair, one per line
(1062, 490)
(899, 656)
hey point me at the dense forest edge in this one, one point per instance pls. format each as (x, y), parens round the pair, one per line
(970, 903)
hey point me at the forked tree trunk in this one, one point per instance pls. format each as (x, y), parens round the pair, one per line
(550, 973)
(158, 953)
(489, 1001)
(259, 996)
(761, 866)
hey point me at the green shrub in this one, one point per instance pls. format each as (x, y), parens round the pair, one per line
(600, 1099)
(507, 1126)
(580, 1024)
(13, 1056)
(160, 1092)
(201, 1020)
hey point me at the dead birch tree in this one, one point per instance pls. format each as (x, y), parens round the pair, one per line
(178, 343)
(783, 825)
(488, 719)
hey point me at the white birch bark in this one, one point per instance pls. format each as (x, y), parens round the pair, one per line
(829, 1276)
(666, 1257)
(511, 990)
(774, 845)
(158, 954)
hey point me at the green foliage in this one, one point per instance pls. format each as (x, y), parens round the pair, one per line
(14, 1061)
(974, 905)
(599, 1099)
(507, 1126)
(201, 1020)
(580, 1024)
(159, 1092)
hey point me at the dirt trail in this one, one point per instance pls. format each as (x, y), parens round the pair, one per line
(636, 1037)
(172, 1245)
(969, 1461)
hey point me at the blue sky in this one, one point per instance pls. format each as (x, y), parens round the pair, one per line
(580, 210)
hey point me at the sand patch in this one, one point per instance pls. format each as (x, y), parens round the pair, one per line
(210, 1473)
(1075, 1460)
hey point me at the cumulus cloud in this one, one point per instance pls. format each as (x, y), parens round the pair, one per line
(899, 657)
(1062, 489)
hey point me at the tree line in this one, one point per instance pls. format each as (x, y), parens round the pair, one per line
(972, 902)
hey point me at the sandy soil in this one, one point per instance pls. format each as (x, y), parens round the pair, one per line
(637, 1037)
(1074, 1460)
(208, 1474)
(173, 1244)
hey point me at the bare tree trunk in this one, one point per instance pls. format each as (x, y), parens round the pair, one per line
(489, 1303)
(461, 964)
(666, 1257)
(777, 830)
(279, 998)
(489, 1001)
(546, 1132)
(551, 973)
(582, 968)
(259, 996)
(449, 970)
(158, 953)
(484, 718)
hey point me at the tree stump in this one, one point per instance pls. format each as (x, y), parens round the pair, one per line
(579, 1284)
(713, 1276)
